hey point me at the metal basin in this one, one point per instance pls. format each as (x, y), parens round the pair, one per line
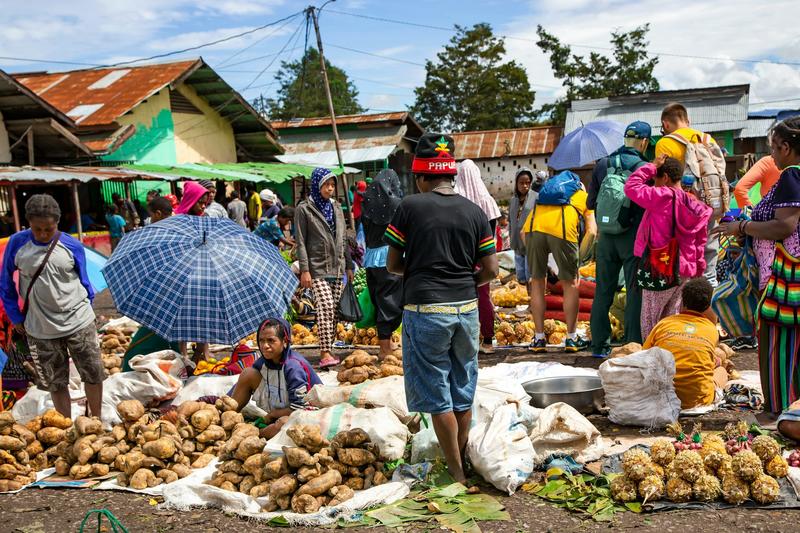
(584, 393)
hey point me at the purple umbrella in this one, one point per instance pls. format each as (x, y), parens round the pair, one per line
(586, 144)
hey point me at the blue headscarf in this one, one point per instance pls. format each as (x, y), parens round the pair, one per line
(318, 178)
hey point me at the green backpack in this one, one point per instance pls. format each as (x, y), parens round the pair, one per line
(611, 199)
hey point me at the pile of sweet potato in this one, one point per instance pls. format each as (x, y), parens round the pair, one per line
(114, 343)
(313, 474)
(206, 428)
(33, 444)
(360, 366)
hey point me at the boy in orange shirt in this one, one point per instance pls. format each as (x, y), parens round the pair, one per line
(691, 336)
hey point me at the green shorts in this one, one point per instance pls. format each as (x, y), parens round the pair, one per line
(539, 245)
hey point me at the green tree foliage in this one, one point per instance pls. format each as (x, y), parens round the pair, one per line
(629, 70)
(470, 87)
(302, 90)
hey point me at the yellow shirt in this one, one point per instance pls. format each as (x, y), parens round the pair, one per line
(254, 207)
(692, 339)
(548, 218)
(673, 148)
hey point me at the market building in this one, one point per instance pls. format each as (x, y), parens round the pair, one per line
(500, 153)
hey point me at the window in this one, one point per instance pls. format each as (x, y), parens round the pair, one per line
(180, 104)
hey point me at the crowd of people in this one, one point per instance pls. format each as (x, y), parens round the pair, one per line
(654, 228)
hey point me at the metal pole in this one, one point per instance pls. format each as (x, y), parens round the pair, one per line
(12, 190)
(77, 205)
(31, 159)
(313, 13)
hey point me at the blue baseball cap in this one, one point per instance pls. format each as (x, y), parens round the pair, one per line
(638, 130)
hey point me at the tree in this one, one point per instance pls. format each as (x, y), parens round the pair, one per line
(469, 87)
(628, 71)
(302, 90)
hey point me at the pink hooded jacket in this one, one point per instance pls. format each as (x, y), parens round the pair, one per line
(692, 216)
(192, 193)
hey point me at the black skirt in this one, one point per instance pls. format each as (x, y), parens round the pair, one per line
(386, 292)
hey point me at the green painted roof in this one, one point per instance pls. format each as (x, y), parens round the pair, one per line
(255, 172)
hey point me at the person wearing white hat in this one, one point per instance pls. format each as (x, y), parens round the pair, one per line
(270, 203)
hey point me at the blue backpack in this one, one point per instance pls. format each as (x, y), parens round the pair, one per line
(559, 189)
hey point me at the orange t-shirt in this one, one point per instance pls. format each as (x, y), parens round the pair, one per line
(692, 339)
(765, 172)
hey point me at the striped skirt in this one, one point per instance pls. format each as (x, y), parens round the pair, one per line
(779, 364)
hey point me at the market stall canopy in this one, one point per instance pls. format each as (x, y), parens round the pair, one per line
(349, 157)
(60, 174)
(254, 172)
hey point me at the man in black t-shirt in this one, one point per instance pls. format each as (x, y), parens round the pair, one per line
(436, 240)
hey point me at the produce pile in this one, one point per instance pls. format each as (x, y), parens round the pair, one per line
(510, 295)
(360, 366)
(302, 336)
(313, 474)
(517, 333)
(114, 343)
(703, 468)
(360, 280)
(26, 449)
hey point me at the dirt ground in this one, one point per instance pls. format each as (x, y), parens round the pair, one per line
(48, 510)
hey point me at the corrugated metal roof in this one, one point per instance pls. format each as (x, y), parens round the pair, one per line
(349, 156)
(506, 143)
(67, 90)
(61, 174)
(710, 109)
(756, 127)
(398, 116)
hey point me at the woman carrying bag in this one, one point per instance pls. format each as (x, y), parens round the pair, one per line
(323, 255)
(774, 227)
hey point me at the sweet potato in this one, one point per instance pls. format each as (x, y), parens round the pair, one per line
(40, 462)
(123, 446)
(255, 463)
(323, 500)
(322, 484)
(188, 446)
(152, 462)
(225, 404)
(162, 448)
(305, 503)
(168, 476)
(99, 469)
(187, 409)
(247, 483)
(392, 360)
(6, 419)
(355, 456)
(260, 490)
(79, 471)
(355, 483)
(35, 424)
(203, 460)
(7, 485)
(62, 467)
(354, 375)
(227, 485)
(287, 484)
(84, 452)
(108, 454)
(229, 419)
(391, 370)
(181, 470)
(358, 358)
(142, 479)
(211, 434)
(130, 410)
(24, 433)
(204, 418)
(85, 425)
(50, 436)
(379, 478)
(276, 468)
(11, 444)
(307, 473)
(34, 448)
(308, 436)
(297, 457)
(106, 441)
(22, 457)
(340, 493)
(350, 439)
(333, 464)
(129, 462)
(249, 446)
(232, 465)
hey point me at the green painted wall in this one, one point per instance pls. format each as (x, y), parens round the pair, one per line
(153, 143)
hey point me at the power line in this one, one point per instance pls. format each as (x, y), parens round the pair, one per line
(591, 47)
(30, 60)
(267, 36)
(390, 58)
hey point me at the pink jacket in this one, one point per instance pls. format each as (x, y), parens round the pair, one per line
(692, 216)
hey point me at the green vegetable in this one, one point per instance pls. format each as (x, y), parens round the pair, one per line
(360, 280)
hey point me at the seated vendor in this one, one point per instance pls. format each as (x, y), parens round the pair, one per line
(692, 337)
(789, 422)
(279, 380)
(273, 229)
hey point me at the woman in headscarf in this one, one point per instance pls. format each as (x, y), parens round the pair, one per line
(519, 207)
(194, 200)
(470, 185)
(322, 255)
(381, 199)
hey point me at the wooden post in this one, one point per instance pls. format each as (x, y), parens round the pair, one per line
(77, 205)
(29, 135)
(313, 13)
(127, 185)
(12, 191)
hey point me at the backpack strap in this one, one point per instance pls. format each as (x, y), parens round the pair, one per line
(678, 137)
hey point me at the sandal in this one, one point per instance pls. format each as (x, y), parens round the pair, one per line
(329, 362)
(486, 349)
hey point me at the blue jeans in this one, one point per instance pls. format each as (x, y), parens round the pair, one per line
(440, 361)
(521, 266)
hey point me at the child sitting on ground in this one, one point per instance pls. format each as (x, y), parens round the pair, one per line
(691, 336)
(279, 380)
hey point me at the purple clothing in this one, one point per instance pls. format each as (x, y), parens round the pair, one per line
(785, 193)
(691, 228)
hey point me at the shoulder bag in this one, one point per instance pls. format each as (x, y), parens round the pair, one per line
(39, 271)
(659, 268)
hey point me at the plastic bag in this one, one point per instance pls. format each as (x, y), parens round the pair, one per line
(561, 429)
(639, 389)
(349, 310)
(368, 308)
(385, 392)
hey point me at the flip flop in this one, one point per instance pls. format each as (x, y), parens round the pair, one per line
(329, 362)
(485, 349)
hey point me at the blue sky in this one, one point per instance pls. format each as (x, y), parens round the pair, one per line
(97, 32)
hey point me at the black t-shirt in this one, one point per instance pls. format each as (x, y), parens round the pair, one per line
(443, 238)
(373, 233)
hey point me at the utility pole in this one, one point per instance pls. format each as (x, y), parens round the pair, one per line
(312, 12)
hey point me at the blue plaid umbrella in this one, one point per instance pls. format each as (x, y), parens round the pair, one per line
(586, 144)
(199, 279)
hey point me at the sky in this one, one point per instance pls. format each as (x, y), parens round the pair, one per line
(740, 41)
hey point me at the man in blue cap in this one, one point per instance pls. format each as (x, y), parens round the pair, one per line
(617, 220)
